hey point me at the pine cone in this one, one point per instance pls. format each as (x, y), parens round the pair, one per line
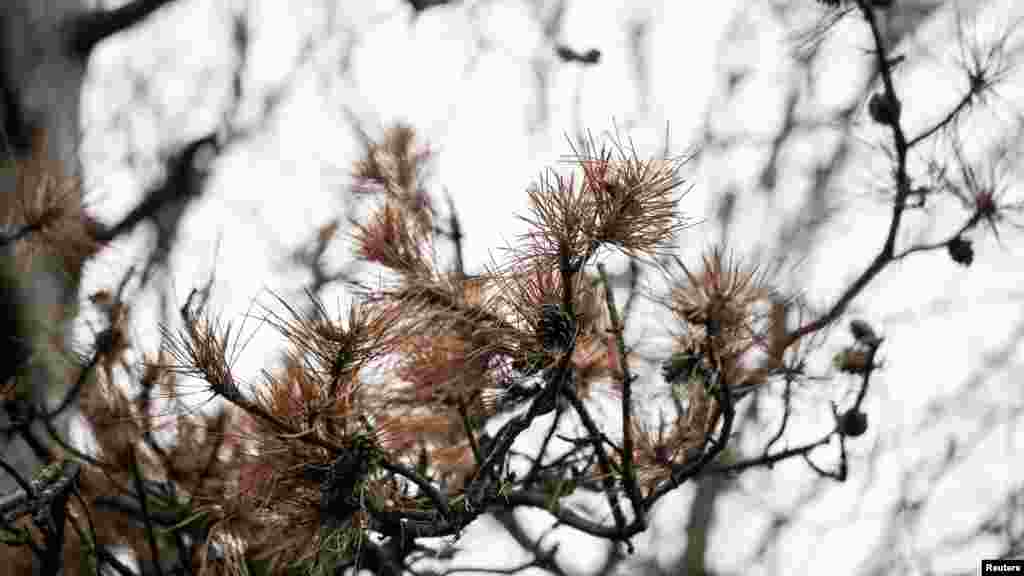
(884, 109)
(338, 500)
(961, 251)
(854, 423)
(863, 332)
(556, 329)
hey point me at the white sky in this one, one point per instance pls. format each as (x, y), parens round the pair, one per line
(270, 192)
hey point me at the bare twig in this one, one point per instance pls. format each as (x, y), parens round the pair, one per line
(627, 399)
(144, 504)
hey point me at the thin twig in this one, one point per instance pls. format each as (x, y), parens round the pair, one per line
(18, 478)
(627, 386)
(143, 503)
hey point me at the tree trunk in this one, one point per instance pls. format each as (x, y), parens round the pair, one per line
(40, 85)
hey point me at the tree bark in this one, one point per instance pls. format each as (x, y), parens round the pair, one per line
(40, 88)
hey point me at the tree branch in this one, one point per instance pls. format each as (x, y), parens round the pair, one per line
(629, 474)
(85, 31)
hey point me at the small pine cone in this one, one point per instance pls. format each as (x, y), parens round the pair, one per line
(864, 333)
(854, 423)
(961, 251)
(337, 490)
(883, 109)
(556, 330)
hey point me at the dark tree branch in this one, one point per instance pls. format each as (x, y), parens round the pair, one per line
(902, 185)
(86, 31)
(440, 502)
(179, 186)
(570, 518)
(41, 493)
